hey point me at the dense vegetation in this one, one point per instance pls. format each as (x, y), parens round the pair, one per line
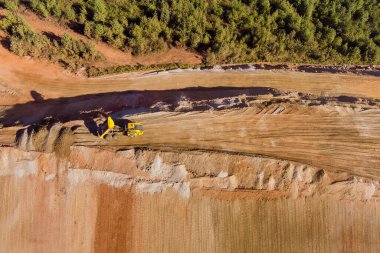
(24, 42)
(324, 31)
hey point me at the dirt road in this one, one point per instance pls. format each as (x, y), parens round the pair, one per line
(50, 85)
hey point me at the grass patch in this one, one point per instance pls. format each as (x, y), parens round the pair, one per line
(94, 71)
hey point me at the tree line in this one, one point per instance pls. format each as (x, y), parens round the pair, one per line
(225, 31)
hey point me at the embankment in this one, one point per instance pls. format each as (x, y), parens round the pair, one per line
(139, 200)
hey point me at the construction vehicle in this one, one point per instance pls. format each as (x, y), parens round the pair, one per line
(111, 128)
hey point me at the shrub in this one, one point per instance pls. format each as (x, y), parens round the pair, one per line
(25, 42)
(100, 11)
(69, 13)
(11, 5)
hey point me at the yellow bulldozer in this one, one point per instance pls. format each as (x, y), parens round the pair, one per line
(111, 128)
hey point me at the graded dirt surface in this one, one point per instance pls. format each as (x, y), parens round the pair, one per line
(52, 84)
(230, 161)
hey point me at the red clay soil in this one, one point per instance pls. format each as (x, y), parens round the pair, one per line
(240, 195)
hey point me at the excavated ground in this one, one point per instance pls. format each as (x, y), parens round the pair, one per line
(337, 133)
(268, 165)
(140, 200)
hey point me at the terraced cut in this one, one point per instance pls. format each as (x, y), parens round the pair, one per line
(219, 168)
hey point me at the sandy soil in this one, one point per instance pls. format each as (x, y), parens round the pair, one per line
(78, 206)
(16, 74)
(217, 170)
(339, 133)
(21, 77)
(126, 222)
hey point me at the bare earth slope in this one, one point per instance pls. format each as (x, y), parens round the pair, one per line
(258, 121)
(144, 201)
(231, 161)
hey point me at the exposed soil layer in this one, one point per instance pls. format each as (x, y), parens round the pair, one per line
(140, 200)
(336, 133)
(154, 172)
(265, 100)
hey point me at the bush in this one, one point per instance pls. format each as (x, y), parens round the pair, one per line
(145, 37)
(100, 11)
(11, 5)
(41, 10)
(70, 13)
(25, 42)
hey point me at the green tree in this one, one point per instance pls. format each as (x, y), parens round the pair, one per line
(165, 12)
(69, 13)
(99, 30)
(88, 29)
(100, 11)
(11, 5)
(323, 31)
